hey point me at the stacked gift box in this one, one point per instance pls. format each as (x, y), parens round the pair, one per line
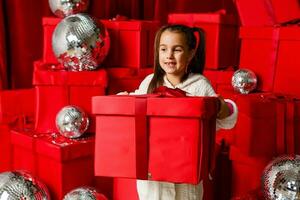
(267, 123)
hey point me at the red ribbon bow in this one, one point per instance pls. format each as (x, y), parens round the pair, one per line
(169, 92)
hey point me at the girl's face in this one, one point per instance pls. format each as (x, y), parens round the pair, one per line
(174, 54)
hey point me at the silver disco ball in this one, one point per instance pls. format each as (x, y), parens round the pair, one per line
(281, 179)
(84, 193)
(72, 122)
(244, 81)
(63, 8)
(20, 185)
(80, 43)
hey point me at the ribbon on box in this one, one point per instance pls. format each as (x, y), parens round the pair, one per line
(164, 91)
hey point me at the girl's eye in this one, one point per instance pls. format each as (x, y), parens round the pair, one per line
(178, 50)
(162, 49)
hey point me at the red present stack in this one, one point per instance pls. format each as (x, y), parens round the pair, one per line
(266, 124)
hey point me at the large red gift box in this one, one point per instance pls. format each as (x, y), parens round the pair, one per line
(259, 46)
(14, 114)
(246, 172)
(56, 89)
(121, 136)
(64, 164)
(181, 138)
(288, 64)
(267, 12)
(221, 36)
(131, 43)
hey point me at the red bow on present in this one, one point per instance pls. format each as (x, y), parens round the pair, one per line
(169, 92)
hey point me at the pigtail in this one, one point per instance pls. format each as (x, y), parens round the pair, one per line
(198, 61)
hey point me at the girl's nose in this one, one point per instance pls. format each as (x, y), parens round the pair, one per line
(170, 55)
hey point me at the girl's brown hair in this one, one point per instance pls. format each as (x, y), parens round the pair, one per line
(197, 63)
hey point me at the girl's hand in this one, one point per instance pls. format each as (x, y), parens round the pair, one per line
(123, 93)
(224, 110)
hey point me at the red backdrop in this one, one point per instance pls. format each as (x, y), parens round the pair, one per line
(21, 30)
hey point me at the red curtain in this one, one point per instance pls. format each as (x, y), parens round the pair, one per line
(21, 35)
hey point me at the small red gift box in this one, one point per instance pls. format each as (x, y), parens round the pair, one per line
(221, 36)
(259, 46)
(267, 12)
(288, 65)
(246, 172)
(56, 89)
(131, 43)
(23, 151)
(181, 138)
(64, 164)
(121, 137)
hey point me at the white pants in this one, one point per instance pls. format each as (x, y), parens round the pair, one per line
(155, 190)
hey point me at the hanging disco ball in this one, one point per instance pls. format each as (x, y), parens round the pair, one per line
(281, 179)
(72, 122)
(63, 8)
(80, 43)
(86, 193)
(244, 81)
(20, 185)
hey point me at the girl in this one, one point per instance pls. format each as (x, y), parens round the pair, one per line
(179, 62)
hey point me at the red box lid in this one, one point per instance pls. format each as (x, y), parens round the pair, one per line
(259, 32)
(192, 18)
(203, 107)
(44, 76)
(119, 105)
(61, 148)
